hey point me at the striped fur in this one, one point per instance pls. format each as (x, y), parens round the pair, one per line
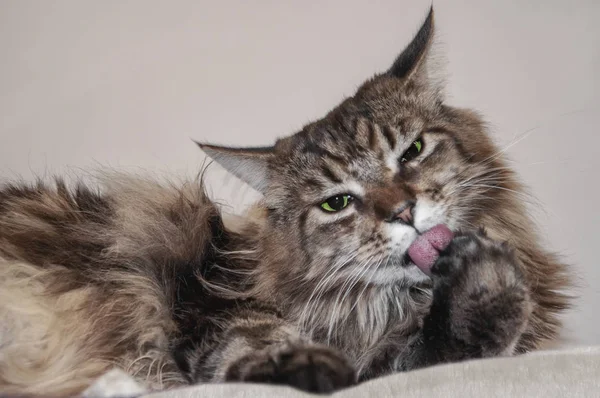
(149, 277)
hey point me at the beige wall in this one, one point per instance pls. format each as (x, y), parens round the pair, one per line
(127, 83)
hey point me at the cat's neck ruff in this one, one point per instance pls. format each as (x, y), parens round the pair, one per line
(358, 319)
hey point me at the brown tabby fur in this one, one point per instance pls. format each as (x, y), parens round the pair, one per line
(147, 276)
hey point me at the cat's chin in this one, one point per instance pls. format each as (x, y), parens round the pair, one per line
(407, 275)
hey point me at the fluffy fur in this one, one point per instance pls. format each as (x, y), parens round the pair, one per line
(148, 277)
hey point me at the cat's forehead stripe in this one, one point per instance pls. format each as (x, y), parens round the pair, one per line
(332, 176)
(390, 136)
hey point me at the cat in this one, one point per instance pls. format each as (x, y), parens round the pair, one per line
(315, 288)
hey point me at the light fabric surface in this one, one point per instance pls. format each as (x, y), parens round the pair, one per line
(573, 373)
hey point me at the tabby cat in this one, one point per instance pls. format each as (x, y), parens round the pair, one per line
(391, 236)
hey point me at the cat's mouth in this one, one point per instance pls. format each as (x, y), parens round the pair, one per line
(406, 261)
(425, 250)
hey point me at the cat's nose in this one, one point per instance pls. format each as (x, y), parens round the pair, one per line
(404, 214)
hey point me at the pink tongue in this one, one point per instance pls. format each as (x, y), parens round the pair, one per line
(425, 249)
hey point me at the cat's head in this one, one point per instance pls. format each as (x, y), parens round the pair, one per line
(348, 194)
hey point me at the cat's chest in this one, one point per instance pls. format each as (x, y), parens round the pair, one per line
(378, 323)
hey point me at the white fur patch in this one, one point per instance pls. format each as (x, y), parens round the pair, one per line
(401, 236)
(114, 383)
(408, 275)
(428, 214)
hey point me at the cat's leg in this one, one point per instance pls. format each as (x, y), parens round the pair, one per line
(480, 308)
(262, 348)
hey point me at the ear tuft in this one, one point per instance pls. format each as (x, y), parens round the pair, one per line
(248, 164)
(411, 62)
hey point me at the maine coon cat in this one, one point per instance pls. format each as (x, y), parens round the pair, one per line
(322, 285)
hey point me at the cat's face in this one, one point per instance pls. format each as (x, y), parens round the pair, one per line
(355, 189)
(348, 194)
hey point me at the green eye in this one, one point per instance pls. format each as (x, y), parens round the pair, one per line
(336, 203)
(418, 144)
(412, 152)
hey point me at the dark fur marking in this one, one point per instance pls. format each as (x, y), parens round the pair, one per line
(390, 136)
(329, 174)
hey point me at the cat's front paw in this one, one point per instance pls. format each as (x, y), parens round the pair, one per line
(309, 368)
(481, 302)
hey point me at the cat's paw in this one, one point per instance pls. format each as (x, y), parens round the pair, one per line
(481, 302)
(309, 368)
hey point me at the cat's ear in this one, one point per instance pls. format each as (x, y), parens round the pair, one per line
(414, 62)
(247, 164)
